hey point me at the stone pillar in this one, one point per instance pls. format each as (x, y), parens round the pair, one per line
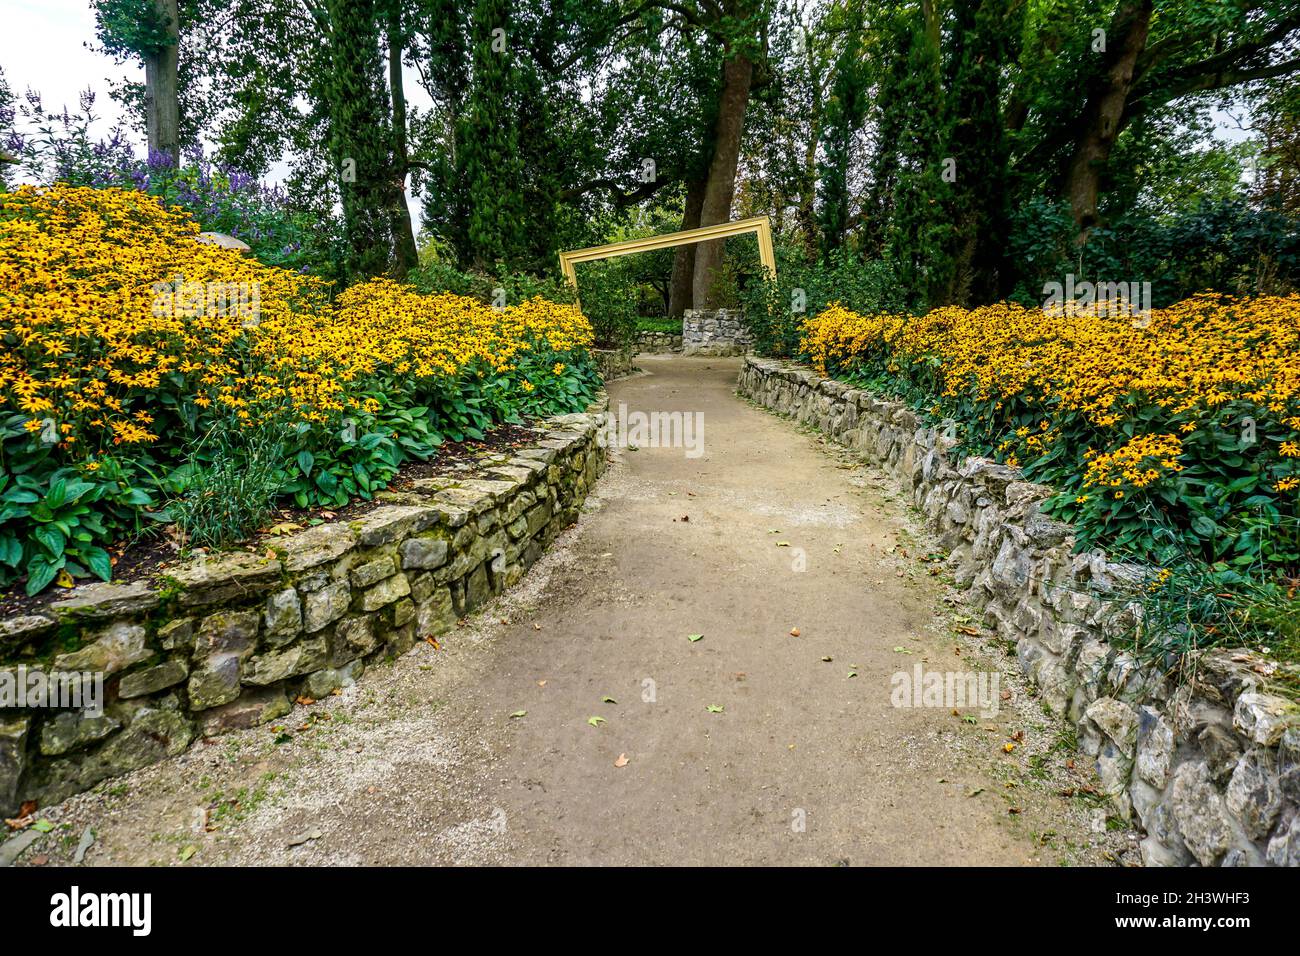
(720, 332)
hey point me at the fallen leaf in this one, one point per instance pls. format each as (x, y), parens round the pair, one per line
(608, 700)
(827, 659)
(694, 637)
(714, 708)
(852, 674)
(621, 760)
(794, 632)
(518, 713)
(302, 838)
(188, 851)
(1007, 748)
(86, 842)
(541, 683)
(43, 826)
(596, 721)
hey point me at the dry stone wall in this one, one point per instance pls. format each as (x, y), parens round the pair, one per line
(614, 363)
(715, 332)
(1208, 768)
(231, 641)
(658, 342)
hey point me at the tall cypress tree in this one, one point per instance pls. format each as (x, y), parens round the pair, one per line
(976, 206)
(845, 111)
(359, 138)
(489, 140)
(916, 239)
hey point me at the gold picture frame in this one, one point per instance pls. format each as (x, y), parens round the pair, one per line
(759, 225)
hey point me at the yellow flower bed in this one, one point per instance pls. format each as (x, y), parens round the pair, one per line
(1192, 409)
(104, 322)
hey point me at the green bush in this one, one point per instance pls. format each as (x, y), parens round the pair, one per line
(609, 299)
(775, 310)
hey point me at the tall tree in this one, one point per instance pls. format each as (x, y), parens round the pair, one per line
(405, 254)
(845, 112)
(1143, 57)
(359, 139)
(489, 140)
(740, 26)
(984, 37)
(150, 31)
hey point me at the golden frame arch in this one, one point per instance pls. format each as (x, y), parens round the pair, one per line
(759, 225)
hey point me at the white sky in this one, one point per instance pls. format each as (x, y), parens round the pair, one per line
(44, 45)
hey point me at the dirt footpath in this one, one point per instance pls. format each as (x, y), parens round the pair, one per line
(575, 721)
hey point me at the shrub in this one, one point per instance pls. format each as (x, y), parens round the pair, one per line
(118, 360)
(1226, 245)
(775, 310)
(235, 477)
(609, 297)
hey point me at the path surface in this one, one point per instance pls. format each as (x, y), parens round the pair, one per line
(423, 763)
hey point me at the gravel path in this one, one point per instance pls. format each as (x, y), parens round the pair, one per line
(749, 745)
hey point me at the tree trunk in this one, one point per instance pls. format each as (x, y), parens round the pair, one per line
(1103, 113)
(679, 294)
(737, 75)
(162, 110)
(405, 254)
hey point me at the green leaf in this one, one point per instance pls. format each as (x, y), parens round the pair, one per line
(51, 539)
(56, 495)
(99, 562)
(306, 461)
